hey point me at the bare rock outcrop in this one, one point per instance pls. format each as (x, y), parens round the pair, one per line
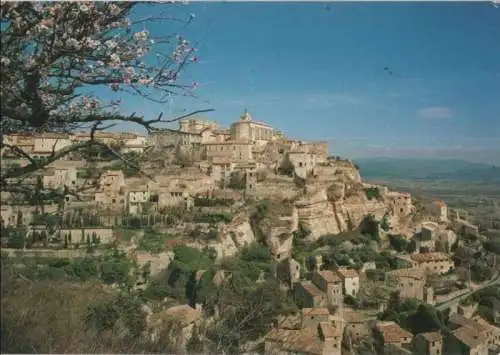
(234, 237)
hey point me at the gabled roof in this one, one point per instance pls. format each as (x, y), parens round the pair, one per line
(431, 336)
(393, 333)
(469, 336)
(329, 276)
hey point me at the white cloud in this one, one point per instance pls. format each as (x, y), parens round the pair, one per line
(436, 112)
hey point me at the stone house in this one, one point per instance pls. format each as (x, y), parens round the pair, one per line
(235, 150)
(322, 339)
(248, 129)
(311, 317)
(47, 143)
(58, 178)
(399, 203)
(134, 143)
(111, 183)
(492, 333)
(309, 295)
(439, 210)
(391, 333)
(429, 231)
(356, 326)
(169, 138)
(434, 262)
(410, 282)
(467, 340)
(136, 199)
(175, 197)
(428, 344)
(13, 215)
(330, 284)
(350, 279)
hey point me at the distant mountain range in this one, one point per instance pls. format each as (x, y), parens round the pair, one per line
(427, 170)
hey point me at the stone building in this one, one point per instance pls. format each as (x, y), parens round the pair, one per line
(234, 150)
(410, 282)
(391, 333)
(196, 125)
(111, 184)
(400, 203)
(439, 210)
(309, 295)
(318, 338)
(356, 326)
(330, 284)
(428, 344)
(58, 178)
(46, 144)
(468, 339)
(350, 280)
(435, 262)
(429, 231)
(246, 129)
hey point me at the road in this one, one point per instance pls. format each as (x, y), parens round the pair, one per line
(458, 299)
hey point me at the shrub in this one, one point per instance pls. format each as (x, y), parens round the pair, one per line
(372, 193)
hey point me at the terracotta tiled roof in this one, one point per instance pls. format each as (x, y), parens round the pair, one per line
(393, 333)
(312, 289)
(346, 273)
(329, 331)
(352, 316)
(303, 340)
(458, 319)
(315, 311)
(484, 324)
(432, 336)
(469, 336)
(426, 257)
(329, 276)
(407, 272)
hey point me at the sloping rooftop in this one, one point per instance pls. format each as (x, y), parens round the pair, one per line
(469, 336)
(346, 273)
(312, 289)
(315, 311)
(329, 276)
(393, 333)
(432, 336)
(407, 272)
(302, 340)
(329, 331)
(427, 257)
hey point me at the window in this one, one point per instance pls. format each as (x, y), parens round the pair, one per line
(300, 164)
(113, 200)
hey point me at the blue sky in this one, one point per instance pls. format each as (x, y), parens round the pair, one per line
(382, 79)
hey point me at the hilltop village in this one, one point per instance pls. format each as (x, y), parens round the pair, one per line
(354, 257)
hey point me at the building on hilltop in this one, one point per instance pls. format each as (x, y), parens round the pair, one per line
(248, 129)
(439, 210)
